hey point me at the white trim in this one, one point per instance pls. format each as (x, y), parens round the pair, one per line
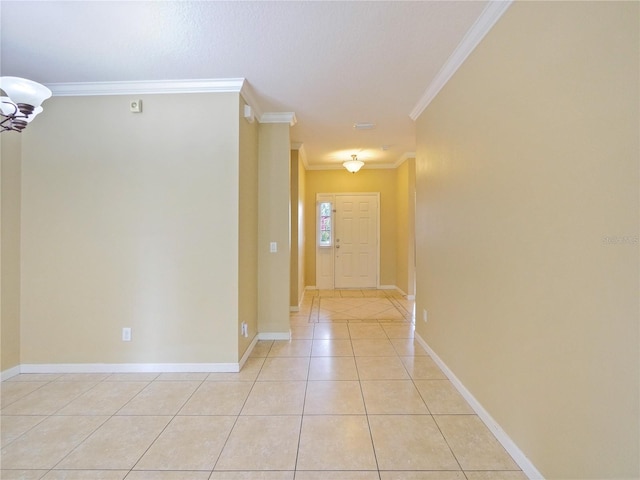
(275, 335)
(247, 93)
(510, 446)
(310, 287)
(487, 19)
(279, 117)
(389, 287)
(247, 353)
(294, 309)
(9, 372)
(130, 368)
(215, 85)
(411, 297)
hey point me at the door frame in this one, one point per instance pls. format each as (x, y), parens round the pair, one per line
(325, 284)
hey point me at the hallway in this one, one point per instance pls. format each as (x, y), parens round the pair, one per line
(351, 396)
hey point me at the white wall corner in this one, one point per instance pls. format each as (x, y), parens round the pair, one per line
(487, 19)
(509, 445)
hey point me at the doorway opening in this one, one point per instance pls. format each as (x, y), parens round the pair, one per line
(347, 240)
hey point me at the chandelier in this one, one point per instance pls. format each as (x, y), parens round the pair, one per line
(20, 101)
(354, 164)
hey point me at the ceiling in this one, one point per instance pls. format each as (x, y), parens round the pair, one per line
(333, 64)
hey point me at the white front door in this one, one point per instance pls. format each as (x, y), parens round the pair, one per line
(356, 241)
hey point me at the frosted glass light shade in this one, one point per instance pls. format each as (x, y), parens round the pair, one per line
(21, 90)
(353, 165)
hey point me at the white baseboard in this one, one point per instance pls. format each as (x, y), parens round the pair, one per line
(387, 287)
(294, 309)
(510, 446)
(275, 335)
(247, 353)
(9, 372)
(130, 368)
(310, 287)
(411, 297)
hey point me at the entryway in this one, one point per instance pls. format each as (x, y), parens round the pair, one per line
(348, 246)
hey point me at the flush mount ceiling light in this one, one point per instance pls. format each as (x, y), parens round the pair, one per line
(354, 164)
(20, 101)
(364, 125)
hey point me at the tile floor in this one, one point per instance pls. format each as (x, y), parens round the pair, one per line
(351, 396)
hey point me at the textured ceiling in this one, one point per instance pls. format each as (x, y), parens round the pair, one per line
(332, 63)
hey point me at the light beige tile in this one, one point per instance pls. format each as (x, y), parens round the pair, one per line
(132, 377)
(261, 443)
(423, 368)
(350, 293)
(105, 398)
(275, 398)
(495, 475)
(333, 368)
(168, 475)
(48, 442)
(473, 444)
(13, 391)
(86, 475)
(283, 369)
(217, 398)
(399, 331)
(291, 348)
(82, 377)
(48, 399)
(160, 398)
(248, 373)
(116, 445)
(188, 443)
(332, 348)
(334, 398)
(392, 397)
(340, 442)
(442, 397)
(11, 427)
(182, 376)
(34, 377)
(366, 330)
(344, 475)
(423, 475)
(331, 330)
(369, 347)
(261, 348)
(302, 332)
(408, 347)
(410, 442)
(381, 368)
(252, 475)
(22, 474)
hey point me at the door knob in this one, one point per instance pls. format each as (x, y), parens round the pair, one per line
(337, 246)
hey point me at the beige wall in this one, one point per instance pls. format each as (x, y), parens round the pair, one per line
(528, 212)
(131, 220)
(297, 229)
(248, 232)
(273, 226)
(405, 227)
(10, 153)
(341, 181)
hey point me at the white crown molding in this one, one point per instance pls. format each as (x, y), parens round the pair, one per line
(404, 158)
(279, 117)
(247, 93)
(220, 85)
(487, 19)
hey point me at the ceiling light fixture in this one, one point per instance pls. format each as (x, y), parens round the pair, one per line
(20, 101)
(364, 125)
(354, 164)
